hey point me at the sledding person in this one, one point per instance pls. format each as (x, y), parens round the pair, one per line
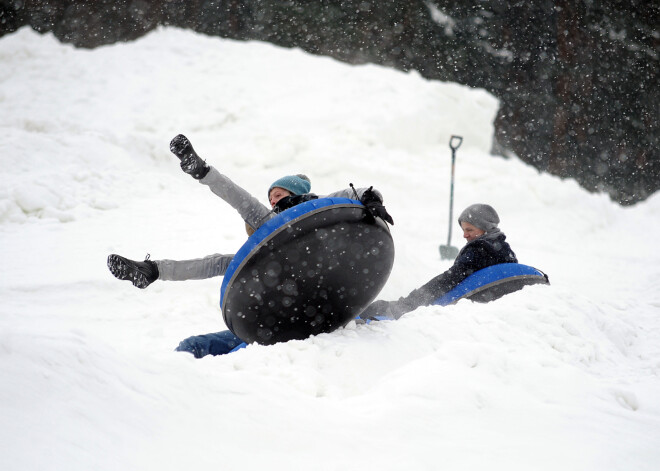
(486, 246)
(284, 193)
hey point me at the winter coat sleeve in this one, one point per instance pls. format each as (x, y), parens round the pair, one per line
(467, 263)
(349, 193)
(469, 260)
(251, 210)
(475, 256)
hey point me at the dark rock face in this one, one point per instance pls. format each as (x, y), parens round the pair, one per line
(577, 80)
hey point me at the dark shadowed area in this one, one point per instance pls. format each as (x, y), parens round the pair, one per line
(577, 81)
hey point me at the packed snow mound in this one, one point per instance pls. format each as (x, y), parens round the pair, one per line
(550, 377)
(242, 102)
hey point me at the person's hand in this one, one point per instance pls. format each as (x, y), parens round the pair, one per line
(291, 201)
(375, 310)
(374, 206)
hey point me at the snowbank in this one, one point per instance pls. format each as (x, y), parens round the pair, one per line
(560, 377)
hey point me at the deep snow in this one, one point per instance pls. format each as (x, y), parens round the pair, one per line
(549, 378)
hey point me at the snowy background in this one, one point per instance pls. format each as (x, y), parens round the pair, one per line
(549, 378)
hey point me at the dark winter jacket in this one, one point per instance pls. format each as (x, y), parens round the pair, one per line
(489, 249)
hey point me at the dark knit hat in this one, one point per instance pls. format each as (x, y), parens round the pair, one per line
(296, 184)
(481, 216)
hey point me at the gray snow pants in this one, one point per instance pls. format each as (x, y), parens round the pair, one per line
(195, 269)
(251, 210)
(253, 213)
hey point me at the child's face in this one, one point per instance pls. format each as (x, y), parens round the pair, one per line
(470, 232)
(277, 194)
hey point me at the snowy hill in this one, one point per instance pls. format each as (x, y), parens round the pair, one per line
(549, 378)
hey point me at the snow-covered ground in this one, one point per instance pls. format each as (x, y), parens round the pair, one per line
(549, 378)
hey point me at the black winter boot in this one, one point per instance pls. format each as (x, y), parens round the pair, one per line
(141, 274)
(191, 163)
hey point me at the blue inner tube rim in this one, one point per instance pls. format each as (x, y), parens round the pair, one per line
(493, 284)
(273, 227)
(481, 278)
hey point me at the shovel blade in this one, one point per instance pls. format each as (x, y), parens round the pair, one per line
(448, 252)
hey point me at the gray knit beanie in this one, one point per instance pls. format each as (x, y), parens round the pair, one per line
(481, 216)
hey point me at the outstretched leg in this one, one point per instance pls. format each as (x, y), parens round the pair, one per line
(195, 269)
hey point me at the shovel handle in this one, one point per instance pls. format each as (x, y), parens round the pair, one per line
(455, 142)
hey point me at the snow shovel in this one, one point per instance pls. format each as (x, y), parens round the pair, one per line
(448, 251)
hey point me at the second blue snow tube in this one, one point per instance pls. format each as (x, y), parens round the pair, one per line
(493, 282)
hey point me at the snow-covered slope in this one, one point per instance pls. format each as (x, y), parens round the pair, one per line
(549, 378)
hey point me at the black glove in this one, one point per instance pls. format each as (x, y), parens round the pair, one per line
(191, 163)
(291, 201)
(374, 206)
